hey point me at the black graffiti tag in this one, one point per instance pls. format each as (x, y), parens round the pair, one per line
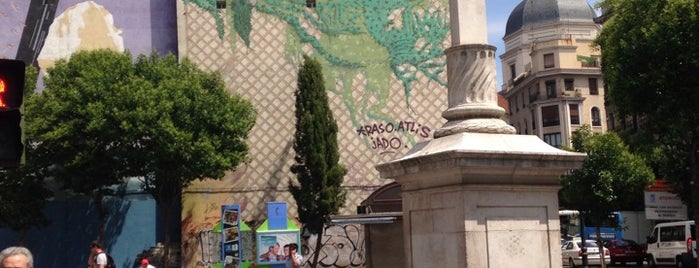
(389, 137)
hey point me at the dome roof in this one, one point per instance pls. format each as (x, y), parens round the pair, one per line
(532, 12)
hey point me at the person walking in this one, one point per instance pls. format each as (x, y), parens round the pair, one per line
(98, 258)
(146, 264)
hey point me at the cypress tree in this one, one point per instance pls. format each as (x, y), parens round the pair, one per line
(318, 193)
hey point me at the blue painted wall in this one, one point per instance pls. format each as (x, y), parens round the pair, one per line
(134, 224)
(132, 227)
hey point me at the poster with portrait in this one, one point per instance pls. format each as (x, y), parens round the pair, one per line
(270, 245)
(230, 241)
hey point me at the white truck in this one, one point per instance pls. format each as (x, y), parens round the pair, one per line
(672, 243)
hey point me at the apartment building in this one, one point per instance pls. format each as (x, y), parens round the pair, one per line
(551, 72)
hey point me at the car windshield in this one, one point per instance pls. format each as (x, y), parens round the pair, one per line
(588, 244)
(625, 243)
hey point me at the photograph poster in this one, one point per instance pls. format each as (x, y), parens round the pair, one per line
(230, 220)
(271, 245)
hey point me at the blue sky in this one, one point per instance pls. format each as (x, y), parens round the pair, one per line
(497, 12)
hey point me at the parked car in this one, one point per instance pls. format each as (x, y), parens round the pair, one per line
(572, 253)
(625, 250)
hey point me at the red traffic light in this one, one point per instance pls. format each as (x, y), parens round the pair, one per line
(11, 93)
(3, 105)
(11, 84)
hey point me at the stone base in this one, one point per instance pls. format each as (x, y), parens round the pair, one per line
(481, 200)
(482, 226)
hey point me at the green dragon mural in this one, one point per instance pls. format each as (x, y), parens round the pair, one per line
(372, 38)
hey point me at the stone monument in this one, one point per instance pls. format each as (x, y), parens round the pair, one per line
(478, 195)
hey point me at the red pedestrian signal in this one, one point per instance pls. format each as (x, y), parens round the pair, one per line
(11, 84)
(11, 94)
(2, 94)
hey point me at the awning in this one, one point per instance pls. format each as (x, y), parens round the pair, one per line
(371, 218)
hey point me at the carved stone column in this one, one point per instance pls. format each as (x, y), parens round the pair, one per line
(473, 100)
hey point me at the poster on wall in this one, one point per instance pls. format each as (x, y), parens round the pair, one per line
(231, 242)
(270, 246)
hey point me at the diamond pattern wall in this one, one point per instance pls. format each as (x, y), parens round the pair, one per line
(265, 73)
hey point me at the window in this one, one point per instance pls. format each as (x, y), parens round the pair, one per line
(596, 119)
(672, 233)
(574, 114)
(549, 116)
(551, 88)
(533, 120)
(523, 100)
(548, 60)
(610, 121)
(513, 71)
(553, 139)
(593, 86)
(533, 94)
(569, 84)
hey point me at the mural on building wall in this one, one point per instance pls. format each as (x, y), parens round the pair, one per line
(384, 67)
(377, 40)
(367, 47)
(84, 26)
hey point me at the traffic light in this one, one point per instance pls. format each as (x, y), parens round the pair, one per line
(11, 94)
(11, 84)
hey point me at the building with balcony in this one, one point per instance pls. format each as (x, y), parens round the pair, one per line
(551, 72)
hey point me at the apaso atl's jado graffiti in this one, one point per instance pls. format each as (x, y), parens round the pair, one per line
(389, 137)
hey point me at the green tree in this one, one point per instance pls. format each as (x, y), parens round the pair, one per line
(189, 128)
(72, 128)
(23, 193)
(319, 191)
(611, 178)
(158, 119)
(650, 62)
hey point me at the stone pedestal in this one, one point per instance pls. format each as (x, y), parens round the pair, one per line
(481, 200)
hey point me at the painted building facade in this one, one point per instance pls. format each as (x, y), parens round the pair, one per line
(384, 67)
(39, 32)
(383, 63)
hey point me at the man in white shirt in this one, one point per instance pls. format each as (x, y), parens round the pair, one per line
(97, 259)
(294, 259)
